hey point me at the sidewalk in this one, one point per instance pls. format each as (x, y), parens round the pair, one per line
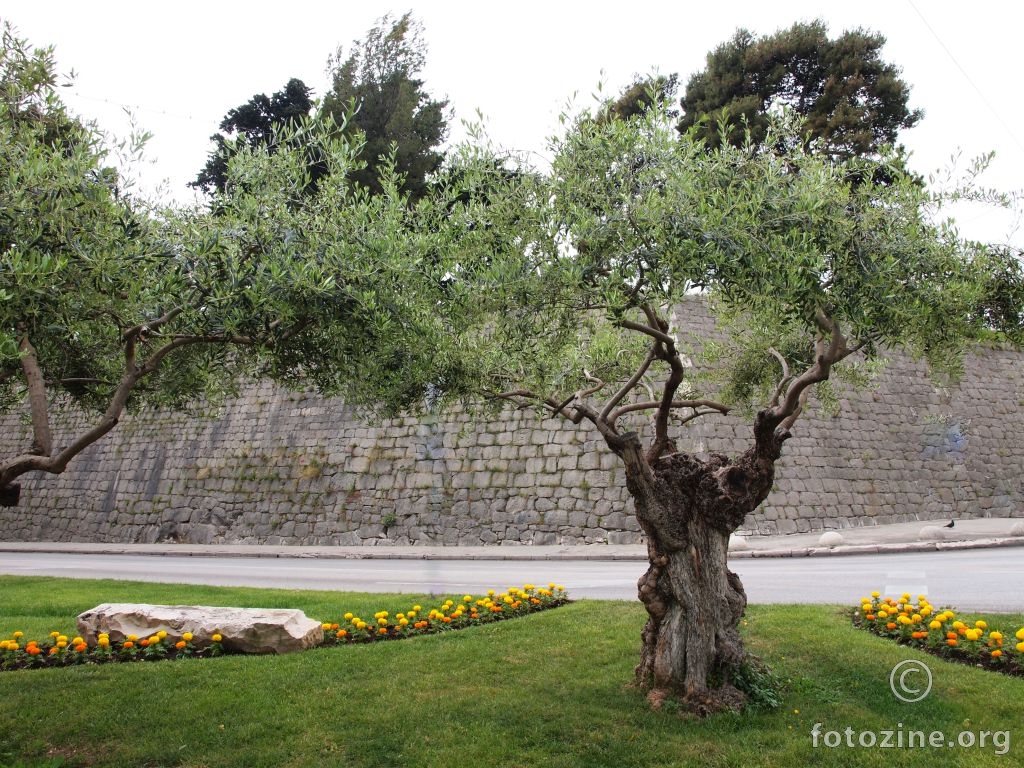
(899, 537)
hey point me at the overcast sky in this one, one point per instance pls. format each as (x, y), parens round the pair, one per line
(181, 67)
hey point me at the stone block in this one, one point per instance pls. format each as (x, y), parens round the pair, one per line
(244, 630)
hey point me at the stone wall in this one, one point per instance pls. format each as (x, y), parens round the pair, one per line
(281, 467)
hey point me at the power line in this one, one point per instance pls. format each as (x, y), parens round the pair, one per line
(967, 77)
(134, 107)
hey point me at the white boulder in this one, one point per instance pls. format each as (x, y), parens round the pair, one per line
(737, 543)
(831, 539)
(243, 630)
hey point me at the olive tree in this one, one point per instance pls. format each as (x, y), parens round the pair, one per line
(563, 300)
(108, 302)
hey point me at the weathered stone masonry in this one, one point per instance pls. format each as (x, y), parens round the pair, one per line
(279, 467)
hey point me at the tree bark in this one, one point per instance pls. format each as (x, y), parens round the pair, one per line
(688, 507)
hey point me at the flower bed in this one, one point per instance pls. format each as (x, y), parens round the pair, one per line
(59, 650)
(941, 632)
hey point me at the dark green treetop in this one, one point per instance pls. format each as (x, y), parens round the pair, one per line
(252, 123)
(379, 80)
(851, 100)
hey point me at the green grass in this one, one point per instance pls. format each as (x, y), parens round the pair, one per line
(546, 690)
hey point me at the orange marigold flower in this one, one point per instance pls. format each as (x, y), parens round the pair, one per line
(181, 645)
(951, 642)
(81, 647)
(996, 654)
(128, 644)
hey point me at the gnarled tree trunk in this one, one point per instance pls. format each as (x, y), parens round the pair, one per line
(688, 507)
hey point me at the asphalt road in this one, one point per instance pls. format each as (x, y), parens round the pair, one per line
(978, 579)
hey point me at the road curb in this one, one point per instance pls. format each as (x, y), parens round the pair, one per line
(876, 549)
(590, 552)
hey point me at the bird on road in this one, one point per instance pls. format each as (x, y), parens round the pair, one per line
(950, 524)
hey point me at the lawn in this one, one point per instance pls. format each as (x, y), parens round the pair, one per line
(545, 690)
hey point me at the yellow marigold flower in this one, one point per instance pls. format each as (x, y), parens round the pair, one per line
(916, 618)
(1020, 634)
(216, 638)
(18, 635)
(187, 637)
(325, 626)
(417, 608)
(77, 641)
(64, 643)
(103, 642)
(926, 610)
(1020, 647)
(348, 617)
(62, 639)
(382, 622)
(980, 624)
(162, 634)
(935, 625)
(996, 635)
(883, 614)
(490, 593)
(904, 620)
(133, 638)
(403, 622)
